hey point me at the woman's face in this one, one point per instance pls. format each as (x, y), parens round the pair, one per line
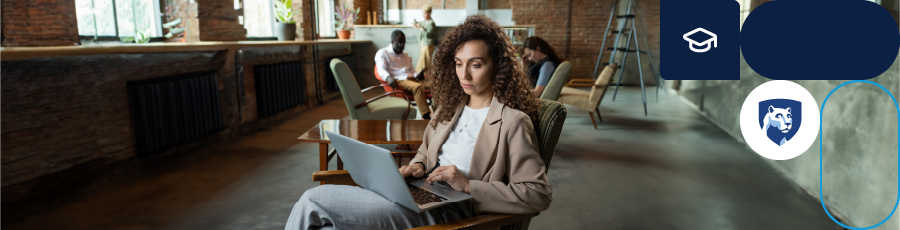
(533, 54)
(474, 67)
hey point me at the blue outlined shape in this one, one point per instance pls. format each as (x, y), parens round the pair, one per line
(822, 111)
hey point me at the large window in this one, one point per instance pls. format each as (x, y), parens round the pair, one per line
(325, 12)
(259, 18)
(118, 18)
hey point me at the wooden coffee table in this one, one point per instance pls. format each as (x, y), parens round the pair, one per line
(366, 131)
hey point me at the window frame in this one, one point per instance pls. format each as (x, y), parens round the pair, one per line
(157, 21)
(332, 18)
(271, 6)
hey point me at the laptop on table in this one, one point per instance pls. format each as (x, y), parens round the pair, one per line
(373, 168)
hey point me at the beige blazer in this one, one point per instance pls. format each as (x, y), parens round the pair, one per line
(507, 174)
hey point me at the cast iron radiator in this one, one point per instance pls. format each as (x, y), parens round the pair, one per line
(279, 87)
(175, 110)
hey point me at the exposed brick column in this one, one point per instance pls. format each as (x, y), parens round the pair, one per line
(39, 23)
(304, 26)
(218, 21)
(187, 11)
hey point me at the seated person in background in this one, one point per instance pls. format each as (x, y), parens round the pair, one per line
(395, 67)
(545, 61)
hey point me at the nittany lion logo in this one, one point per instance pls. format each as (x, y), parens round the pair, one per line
(780, 119)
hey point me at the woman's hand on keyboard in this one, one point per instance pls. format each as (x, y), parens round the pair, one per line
(415, 170)
(452, 176)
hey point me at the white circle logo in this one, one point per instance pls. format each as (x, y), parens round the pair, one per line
(780, 120)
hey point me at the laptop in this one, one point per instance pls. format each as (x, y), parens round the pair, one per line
(373, 168)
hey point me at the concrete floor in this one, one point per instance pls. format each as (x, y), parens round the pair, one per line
(672, 169)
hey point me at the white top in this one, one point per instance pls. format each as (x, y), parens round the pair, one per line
(398, 66)
(461, 142)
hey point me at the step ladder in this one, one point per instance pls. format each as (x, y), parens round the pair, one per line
(632, 36)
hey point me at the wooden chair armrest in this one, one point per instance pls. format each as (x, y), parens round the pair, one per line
(330, 175)
(360, 105)
(339, 177)
(488, 221)
(580, 80)
(408, 106)
(581, 85)
(372, 87)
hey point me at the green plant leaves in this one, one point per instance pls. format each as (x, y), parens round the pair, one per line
(283, 12)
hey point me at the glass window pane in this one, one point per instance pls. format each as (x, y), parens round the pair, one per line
(105, 19)
(125, 17)
(84, 11)
(326, 15)
(258, 18)
(744, 17)
(145, 17)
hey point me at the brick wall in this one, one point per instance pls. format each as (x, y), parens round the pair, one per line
(304, 27)
(218, 21)
(56, 146)
(39, 23)
(47, 130)
(187, 11)
(576, 32)
(435, 4)
(498, 4)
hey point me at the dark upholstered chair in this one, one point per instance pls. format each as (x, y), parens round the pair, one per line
(548, 126)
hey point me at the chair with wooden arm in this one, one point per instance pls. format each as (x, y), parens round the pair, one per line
(381, 107)
(588, 100)
(548, 127)
(388, 88)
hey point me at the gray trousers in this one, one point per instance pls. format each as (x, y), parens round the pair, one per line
(351, 207)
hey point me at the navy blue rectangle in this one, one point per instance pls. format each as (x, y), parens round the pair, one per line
(718, 61)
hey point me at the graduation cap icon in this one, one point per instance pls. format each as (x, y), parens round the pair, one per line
(692, 42)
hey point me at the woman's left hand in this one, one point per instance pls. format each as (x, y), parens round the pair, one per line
(452, 176)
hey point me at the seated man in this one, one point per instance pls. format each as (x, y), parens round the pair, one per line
(396, 68)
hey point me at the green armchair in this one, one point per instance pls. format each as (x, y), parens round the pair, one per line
(381, 107)
(548, 127)
(551, 91)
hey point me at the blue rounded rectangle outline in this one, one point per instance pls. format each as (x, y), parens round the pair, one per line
(821, 112)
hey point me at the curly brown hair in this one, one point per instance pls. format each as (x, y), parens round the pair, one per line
(510, 84)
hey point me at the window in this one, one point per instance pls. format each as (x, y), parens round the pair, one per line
(745, 10)
(118, 18)
(259, 17)
(325, 13)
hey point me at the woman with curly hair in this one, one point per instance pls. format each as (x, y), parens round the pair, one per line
(480, 141)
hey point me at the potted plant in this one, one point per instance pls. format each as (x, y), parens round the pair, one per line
(345, 18)
(285, 29)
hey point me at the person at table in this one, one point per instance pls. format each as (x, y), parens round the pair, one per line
(426, 39)
(395, 67)
(545, 61)
(480, 141)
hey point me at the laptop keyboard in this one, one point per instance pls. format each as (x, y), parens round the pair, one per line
(422, 196)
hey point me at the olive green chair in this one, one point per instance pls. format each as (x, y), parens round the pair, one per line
(380, 107)
(551, 91)
(548, 127)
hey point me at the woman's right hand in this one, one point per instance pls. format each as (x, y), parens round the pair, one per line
(415, 170)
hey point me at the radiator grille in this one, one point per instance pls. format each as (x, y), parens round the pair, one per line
(279, 87)
(171, 111)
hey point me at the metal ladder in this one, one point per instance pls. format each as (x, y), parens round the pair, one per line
(632, 35)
